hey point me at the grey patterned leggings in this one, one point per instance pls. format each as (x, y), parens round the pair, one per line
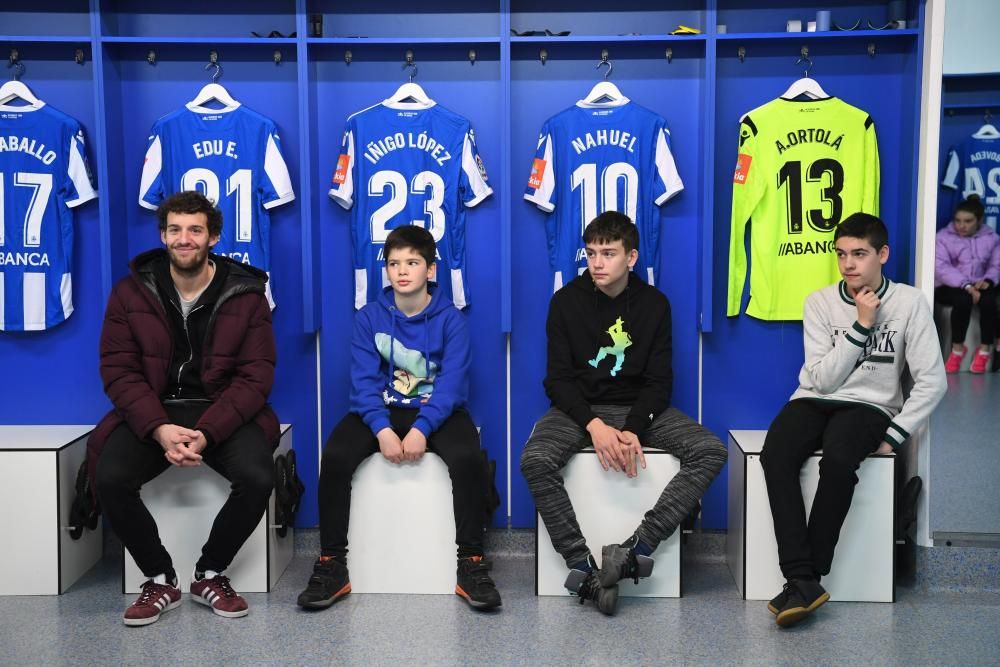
(556, 438)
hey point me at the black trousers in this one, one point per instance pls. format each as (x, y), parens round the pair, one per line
(127, 462)
(961, 312)
(456, 442)
(847, 433)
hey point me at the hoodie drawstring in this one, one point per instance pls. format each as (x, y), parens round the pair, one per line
(392, 345)
(427, 348)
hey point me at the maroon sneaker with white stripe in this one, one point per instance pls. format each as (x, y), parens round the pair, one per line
(154, 600)
(217, 593)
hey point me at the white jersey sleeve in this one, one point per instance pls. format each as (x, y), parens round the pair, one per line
(668, 181)
(473, 187)
(342, 190)
(276, 184)
(151, 191)
(78, 187)
(950, 180)
(541, 189)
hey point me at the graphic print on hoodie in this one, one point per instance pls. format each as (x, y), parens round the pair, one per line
(414, 375)
(621, 340)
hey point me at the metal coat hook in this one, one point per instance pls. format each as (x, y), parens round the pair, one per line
(151, 57)
(741, 53)
(670, 55)
(277, 57)
(605, 61)
(78, 56)
(543, 55)
(871, 49)
(18, 71)
(804, 58)
(348, 56)
(409, 63)
(472, 56)
(15, 61)
(213, 61)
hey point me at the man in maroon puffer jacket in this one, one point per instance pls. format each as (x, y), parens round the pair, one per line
(187, 359)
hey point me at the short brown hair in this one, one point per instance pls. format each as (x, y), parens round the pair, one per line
(612, 226)
(414, 237)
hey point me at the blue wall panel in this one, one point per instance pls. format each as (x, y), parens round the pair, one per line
(472, 90)
(751, 366)
(145, 93)
(539, 91)
(51, 376)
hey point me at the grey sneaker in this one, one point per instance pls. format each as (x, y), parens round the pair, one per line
(620, 561)
(588, 587)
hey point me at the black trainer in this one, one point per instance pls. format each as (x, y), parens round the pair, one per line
(329, 582)
(804, 597)
(587, 586)
(620, 561)
(779, 600)
(474, 584)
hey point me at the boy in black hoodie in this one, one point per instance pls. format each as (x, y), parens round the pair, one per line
(609, 380)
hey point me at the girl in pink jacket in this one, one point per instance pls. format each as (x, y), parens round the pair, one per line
(967, 271)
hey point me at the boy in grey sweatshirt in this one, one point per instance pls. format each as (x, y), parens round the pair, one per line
(861, 336)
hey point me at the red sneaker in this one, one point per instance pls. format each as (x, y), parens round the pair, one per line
(954, 362)
(154, 600)
(218, 594)
(980, 362)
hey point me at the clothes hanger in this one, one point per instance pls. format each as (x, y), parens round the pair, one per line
(605, 92)
(987, 131)
(14, 89)
(805, 86)
(213, 91)
(409, 92)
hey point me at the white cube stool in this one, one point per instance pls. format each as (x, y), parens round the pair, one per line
(184, 502)
(38, 467)
(609, 506)
(863, 567)
(401, 537)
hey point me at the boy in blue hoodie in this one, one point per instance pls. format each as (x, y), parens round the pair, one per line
(409, 385)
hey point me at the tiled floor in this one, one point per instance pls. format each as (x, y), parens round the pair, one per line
(965, 456)
(709, 625)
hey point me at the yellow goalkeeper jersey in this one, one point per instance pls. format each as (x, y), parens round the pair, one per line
(802, 167)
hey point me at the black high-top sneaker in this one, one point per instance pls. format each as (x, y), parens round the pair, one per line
(329, 582)
(588, 587)
(620, 561)
(474, 584)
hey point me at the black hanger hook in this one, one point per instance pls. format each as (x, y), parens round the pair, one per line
(605, 61)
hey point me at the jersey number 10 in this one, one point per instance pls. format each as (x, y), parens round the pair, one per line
(585, 178)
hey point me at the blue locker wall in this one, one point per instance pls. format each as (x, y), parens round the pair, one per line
(55, 371)
(673, 90)
(472, 90)
(966, 98)
(145, 93)
(741, 352)
(748, 367)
